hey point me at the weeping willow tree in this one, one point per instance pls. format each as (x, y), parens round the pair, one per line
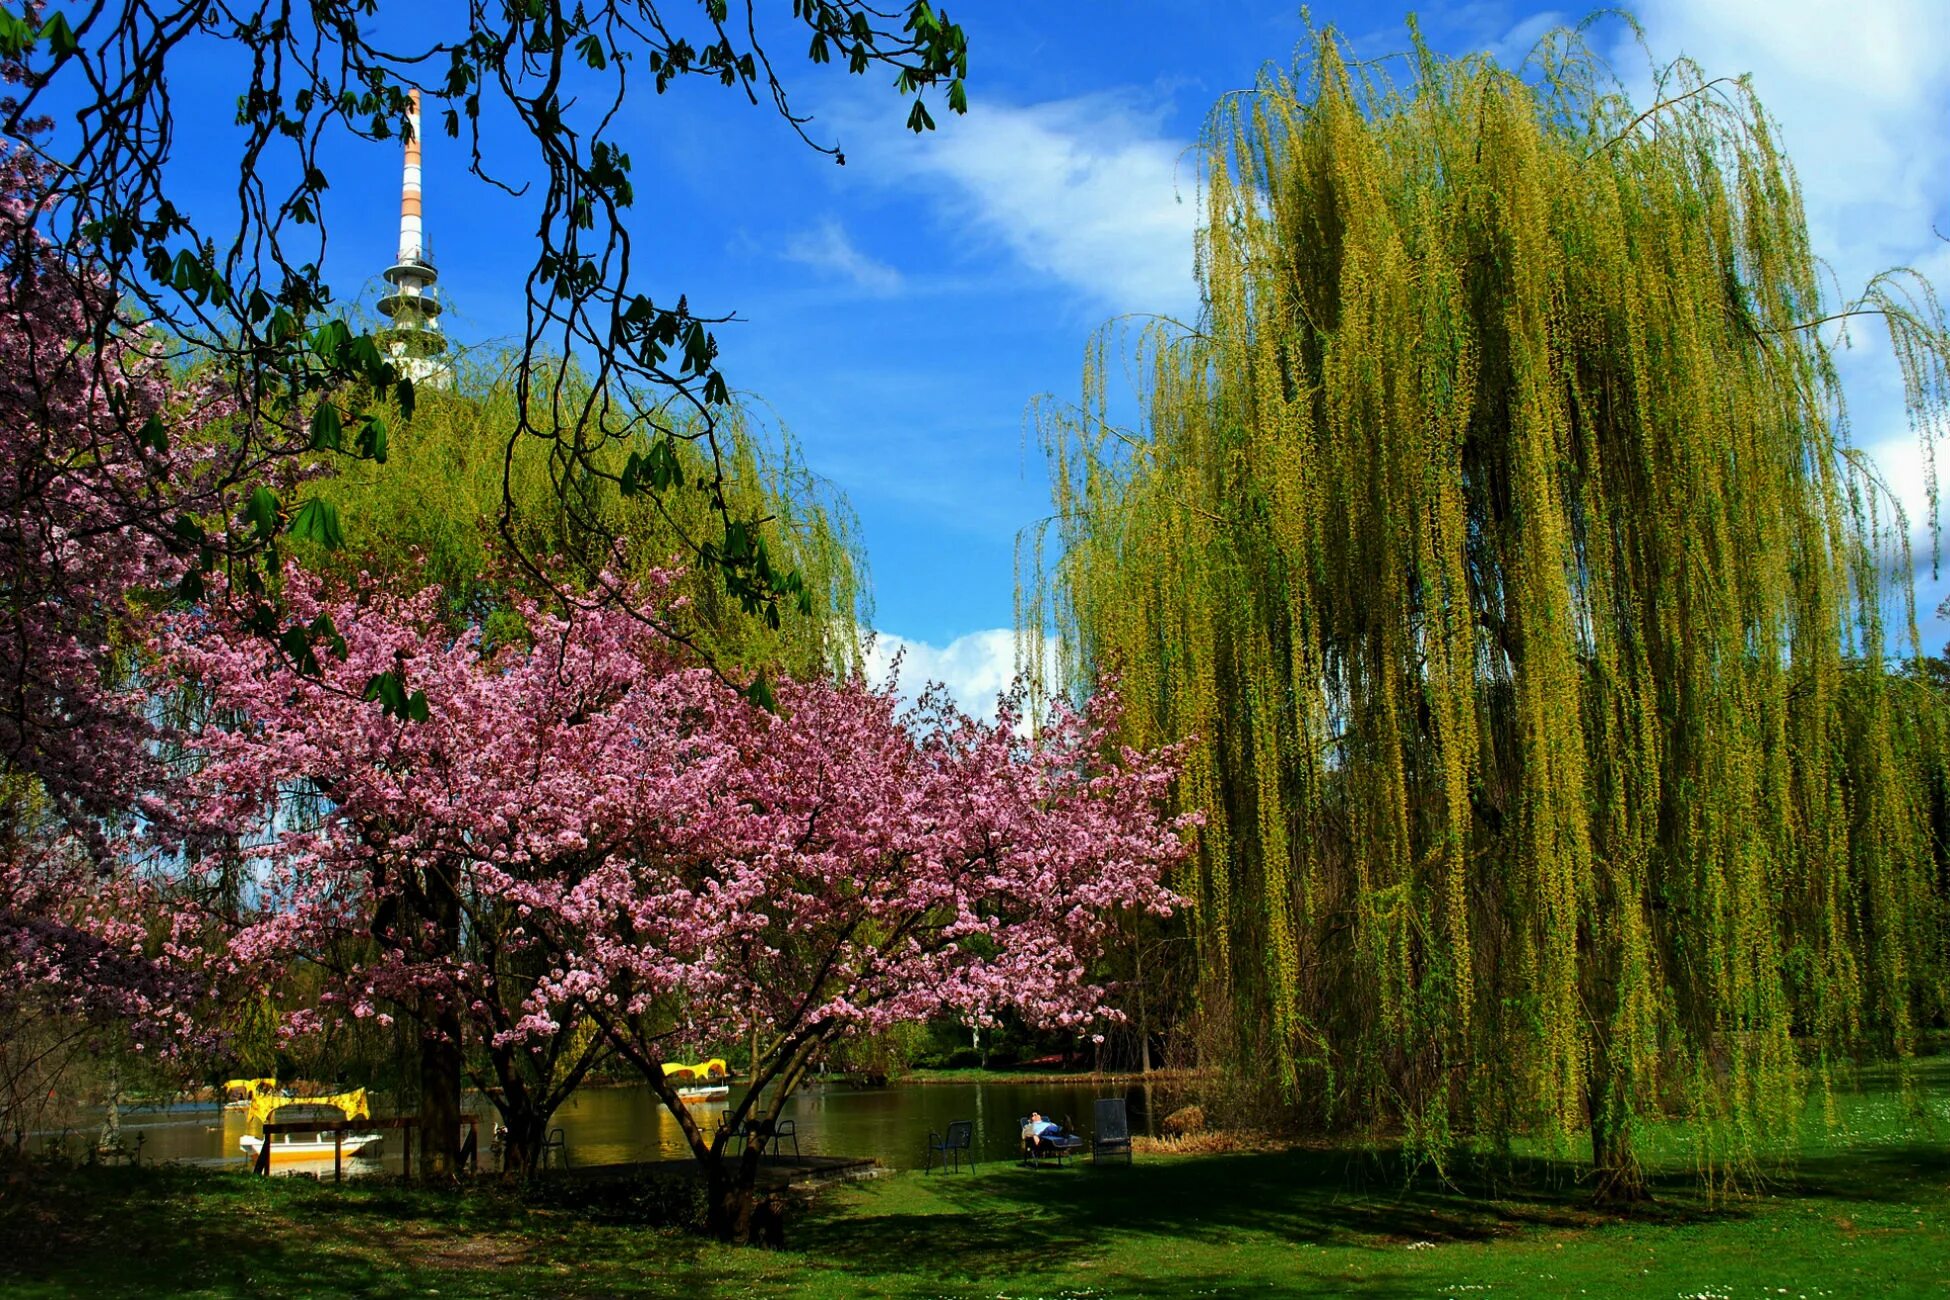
(459, 505)
(1497, 535)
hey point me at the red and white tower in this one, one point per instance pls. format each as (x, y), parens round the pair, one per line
(414, 339)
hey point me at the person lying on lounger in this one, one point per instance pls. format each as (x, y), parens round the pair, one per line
(1035, 1135)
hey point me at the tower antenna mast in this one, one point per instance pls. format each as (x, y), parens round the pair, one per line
(414, 339)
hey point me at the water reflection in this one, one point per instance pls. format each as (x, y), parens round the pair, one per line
(611, 1125)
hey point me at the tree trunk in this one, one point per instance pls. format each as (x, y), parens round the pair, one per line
(522, 1144)
(732, 1192)
(440, 1096)
(1619, 1179)
(440, 1059)
(111, 1136)
(1617, 1176)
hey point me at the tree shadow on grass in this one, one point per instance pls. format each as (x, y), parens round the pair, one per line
(1019, 1221)
(1880, 1174)
(166, 1231)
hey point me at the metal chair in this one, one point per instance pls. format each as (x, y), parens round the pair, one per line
(771, 1134)
(959, 1138)
(559, 1144)
(1112, 1133)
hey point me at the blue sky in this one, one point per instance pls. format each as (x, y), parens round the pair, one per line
(899, 314)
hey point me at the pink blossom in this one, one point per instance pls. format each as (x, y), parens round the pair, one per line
(628, 842)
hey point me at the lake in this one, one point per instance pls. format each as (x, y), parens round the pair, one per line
(614, 1125)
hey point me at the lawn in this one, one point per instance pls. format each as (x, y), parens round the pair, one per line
(1871, 1219)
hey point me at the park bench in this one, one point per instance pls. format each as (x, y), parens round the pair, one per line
(959, 1138)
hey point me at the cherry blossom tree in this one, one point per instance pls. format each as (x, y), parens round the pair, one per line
(391, 845)
(87, 449)
(590, 846)
(84, 960)
(863, 868)
(98, 440)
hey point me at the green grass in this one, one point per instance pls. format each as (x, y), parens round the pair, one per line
(1865, 1212)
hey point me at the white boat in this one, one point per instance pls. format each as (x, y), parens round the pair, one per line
(708, 1080)
(295, 1148)
(305, 1148)
(705, 1092)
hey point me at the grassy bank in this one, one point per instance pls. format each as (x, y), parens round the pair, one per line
(1869, 1219)
(1043, 1074)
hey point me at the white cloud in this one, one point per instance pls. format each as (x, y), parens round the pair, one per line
(976, 668)
(828, 248)
(1086, 190)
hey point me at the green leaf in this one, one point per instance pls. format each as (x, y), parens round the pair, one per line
(664, 467)
(371, 442)
(16, 36)
(697, 348)
(154, 436)
(323, 629)
(330, 341)
(262, 513)
(187, 276)
(389, 691)
(760, 694)
(327, 431)
(262, 620)
(296, 644)
(318, 521)
(364, 356)
(59, 36)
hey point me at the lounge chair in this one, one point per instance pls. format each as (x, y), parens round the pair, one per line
(1055, 1145)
